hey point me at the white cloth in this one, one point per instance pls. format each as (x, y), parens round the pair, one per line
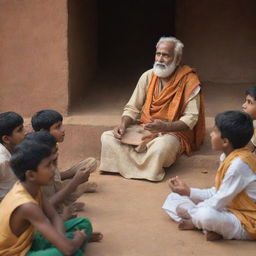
(117, 157)
(7, 177)
(211, 214)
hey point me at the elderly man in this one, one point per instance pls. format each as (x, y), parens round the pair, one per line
(168, 101)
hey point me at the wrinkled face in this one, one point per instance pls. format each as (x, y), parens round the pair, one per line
(17, 135)
(216, 140)
(45, 171)
(165, 53)
(250, 106)
(165, 62)
(58, 131)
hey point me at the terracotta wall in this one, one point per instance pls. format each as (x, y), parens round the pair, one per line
(82, 47)
(33, 55)
(219, 38)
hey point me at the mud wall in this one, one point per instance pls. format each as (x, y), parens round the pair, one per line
(33, 55)
(219, 38)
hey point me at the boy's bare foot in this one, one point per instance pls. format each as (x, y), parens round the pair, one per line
(182, 213)
(68, 213)
(90, 187)
(89, 163)
(96, 237)
(186, 224)
(87, 187)
(213, 236)
(78, 206)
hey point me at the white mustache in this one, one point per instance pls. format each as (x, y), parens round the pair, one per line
(157, 63)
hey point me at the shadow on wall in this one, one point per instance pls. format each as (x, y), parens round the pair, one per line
(112, 39)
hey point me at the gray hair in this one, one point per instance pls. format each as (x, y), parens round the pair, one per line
(178, 44)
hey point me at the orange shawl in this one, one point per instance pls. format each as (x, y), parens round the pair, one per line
(241, 206)
(170, 104)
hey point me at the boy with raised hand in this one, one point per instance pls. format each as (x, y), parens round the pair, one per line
(249, 107)
(51, 121)
(11, 133)
(59, 198)
(24, 210)
(227, 210)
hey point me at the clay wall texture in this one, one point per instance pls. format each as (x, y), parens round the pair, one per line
(51, 50)
(33, 56)
(219, 38)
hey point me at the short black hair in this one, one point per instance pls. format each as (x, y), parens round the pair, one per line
(44, 119)
(251, 91)
(27, 156)
(42, 138)
(8, 122)
(236, 126)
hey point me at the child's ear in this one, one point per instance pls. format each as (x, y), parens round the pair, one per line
(226, 142)
(6, 139)
(30, 175)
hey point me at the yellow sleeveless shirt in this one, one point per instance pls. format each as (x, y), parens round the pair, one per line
(10, 244)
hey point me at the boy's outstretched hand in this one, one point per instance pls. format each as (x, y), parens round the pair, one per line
(82, 175)
(179, 186)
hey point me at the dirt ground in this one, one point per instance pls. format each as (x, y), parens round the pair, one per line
(128, 212)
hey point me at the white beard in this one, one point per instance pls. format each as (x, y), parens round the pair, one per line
(162, 70)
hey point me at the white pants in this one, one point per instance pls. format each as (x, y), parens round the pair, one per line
(117, 157)
(206, 218)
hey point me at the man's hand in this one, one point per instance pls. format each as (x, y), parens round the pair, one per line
(179, 186)
(119, 131)
(157, 125)
(82, 175)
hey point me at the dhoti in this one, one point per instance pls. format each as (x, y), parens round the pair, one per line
(121, 158)
(206, 218)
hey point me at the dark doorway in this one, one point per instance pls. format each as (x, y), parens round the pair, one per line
(110, 44)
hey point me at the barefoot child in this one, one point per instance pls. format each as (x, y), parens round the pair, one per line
(51, 121)
(24, 210)
(11, 133)
(249, 107)
(59, 199)
(227, 210)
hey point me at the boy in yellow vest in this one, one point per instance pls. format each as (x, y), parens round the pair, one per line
(227, 210)
(25, 209)
(249, 107)
(59, 199)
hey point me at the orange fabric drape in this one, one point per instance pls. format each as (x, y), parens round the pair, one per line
(171, 103)
(242, 206)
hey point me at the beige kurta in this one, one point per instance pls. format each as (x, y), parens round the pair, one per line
(161, 151)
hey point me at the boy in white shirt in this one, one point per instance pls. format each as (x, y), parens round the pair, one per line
(11, 133)
(227, 210)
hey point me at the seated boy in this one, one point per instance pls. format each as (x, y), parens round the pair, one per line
(51, 121)
(58, 199)
(249, 107)
(24, 210)
(11, 133)
(227, 210)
